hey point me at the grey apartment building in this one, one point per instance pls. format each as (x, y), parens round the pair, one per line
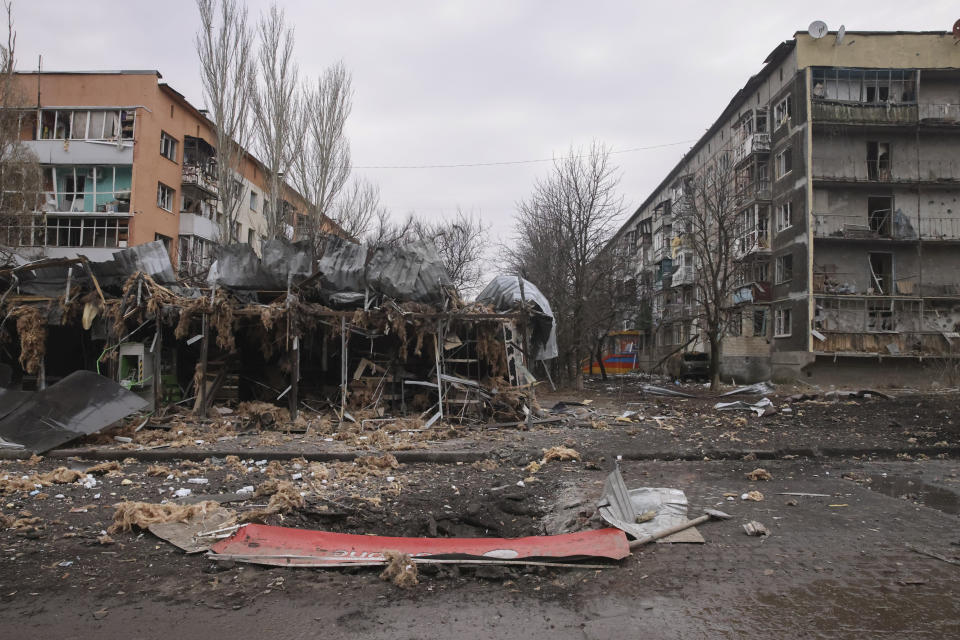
(845, 153)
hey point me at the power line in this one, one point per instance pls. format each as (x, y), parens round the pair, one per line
(509, 162)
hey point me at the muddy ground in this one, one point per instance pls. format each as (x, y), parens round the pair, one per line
(836, 566)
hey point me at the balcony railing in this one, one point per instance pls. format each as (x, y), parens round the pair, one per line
(939, 113)
(889, 113)
(683, 275)
(946, 229)
(196, 176)
(756, 190)
(852, 112)
(677, 310)
(882, 225)
(753, 143)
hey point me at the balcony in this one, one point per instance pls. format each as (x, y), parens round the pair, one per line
(754, 191)
(752, 292)
(880, 226)
(198, 177)
(753, 143)
(676, 311)
(683, 275)
(754, 241)
(943, 229)
(939, 114)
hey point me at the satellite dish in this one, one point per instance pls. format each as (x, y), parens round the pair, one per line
(840, 33)
(817, 29)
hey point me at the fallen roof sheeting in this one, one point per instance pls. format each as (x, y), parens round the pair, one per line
(503, 294)
(80, 404)
(282, 546)
(665, 508)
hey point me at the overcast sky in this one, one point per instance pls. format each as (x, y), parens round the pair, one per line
(485, 81)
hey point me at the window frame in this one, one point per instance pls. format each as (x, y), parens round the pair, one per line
(782, 112)
(168, 140)
(783, 157)
(788, 207)
(780, 275)
(783, 322)
(160, 197)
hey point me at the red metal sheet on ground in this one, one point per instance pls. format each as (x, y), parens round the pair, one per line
(285, 546)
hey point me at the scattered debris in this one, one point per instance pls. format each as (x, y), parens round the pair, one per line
(279, 546)
(400, 570)
(143, 514)
(753, 496)
(663, 391)
(559, 453)
(763, 407)
(627, 509)
(759, 389)
(754, 528)
(759, 474)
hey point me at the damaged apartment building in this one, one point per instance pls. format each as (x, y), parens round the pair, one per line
(847, 187)
(127, 160)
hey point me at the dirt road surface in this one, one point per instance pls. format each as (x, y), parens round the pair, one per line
(874, 557)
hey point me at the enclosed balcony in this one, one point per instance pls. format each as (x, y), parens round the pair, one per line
(200, 166)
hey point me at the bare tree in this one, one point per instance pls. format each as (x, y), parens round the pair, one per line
(712, 205)
(357, 208)
(391, 233)
(461, 244)
(20, 179)
(275, 104)
(561, 231)
(323, 166)
(225, 46)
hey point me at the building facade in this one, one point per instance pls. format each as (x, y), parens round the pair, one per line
(847, 179)
(126, 160)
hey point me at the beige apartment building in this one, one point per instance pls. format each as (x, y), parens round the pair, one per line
(126, 160)
(847, 179)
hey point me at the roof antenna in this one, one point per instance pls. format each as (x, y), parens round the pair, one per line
(840, 33)
(817, 29)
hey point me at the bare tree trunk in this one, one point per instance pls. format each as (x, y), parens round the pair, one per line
(603, 369)
(322, 168)
(713, 334)
(275, 101)
(224, 45)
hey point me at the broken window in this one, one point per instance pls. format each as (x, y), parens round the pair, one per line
(85, 124)
(784, 268)
(168, 146)
(783, 323)
(68, 231)
(782, 112)
(881, 273)
(735, 325)
(164, 197)
(878, 214)
(760, 323)
(880, 315)
(87, 189)
(866, 86)
(784, 162)
(878, 160)
(784, 216)
(253, 200)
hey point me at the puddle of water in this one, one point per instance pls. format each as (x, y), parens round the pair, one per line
(917, 491)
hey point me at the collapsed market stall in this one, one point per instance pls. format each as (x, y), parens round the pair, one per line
(361, 332)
